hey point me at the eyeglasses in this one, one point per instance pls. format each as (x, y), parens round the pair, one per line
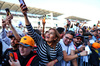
(79, 38)
(68, 38)
(80, 31)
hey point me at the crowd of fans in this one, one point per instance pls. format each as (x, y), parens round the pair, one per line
(71, 45)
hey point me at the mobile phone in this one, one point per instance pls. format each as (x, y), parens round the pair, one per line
(43, 20)
(11, 54)
(23, 3)
(7, 11)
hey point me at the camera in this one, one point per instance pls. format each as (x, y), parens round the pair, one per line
(23, 3)
(11, 54)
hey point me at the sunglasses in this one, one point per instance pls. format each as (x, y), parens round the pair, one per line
(68, 38)
(79, 38)
(80, 31)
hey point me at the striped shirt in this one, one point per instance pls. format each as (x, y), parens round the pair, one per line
(42, 48)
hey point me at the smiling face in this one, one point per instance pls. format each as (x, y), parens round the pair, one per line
(67, 39)
(79, 40)
(13, 41)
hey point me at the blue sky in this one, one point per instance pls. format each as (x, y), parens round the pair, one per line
(89, 9)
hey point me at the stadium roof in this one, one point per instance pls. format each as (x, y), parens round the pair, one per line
(32, 10)
(76, 18)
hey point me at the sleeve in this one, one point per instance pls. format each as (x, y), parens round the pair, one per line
(37, 38)
(59, 53)
(63, 47)
(4, 37)
(72, 46)
(3, 33)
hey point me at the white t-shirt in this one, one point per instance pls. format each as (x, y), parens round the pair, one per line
(68, 50)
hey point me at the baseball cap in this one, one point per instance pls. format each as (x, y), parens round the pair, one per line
(78, 35)
(96, 45)
(27, 41)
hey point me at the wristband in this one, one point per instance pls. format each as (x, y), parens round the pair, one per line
(78, 54)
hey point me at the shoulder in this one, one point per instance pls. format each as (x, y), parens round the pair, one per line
(8, 49)
(35, 60)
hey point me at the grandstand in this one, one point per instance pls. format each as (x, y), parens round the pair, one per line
(34, 14)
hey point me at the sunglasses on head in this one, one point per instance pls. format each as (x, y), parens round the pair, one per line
(68, 38)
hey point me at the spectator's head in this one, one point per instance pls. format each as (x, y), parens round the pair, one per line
(94, 26)
(99, 34)
(94, 32)
(77, 24)
(81, 31)
(14, 41)
(68, 22)
(52, 36)
(25, 45)
(84, 28)
(68, 37)
(61, 31)
(89, 35)
(79, 39)
(98, 30)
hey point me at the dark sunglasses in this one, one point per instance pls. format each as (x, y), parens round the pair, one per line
(79, 38)
(80, 31)
(68, 38)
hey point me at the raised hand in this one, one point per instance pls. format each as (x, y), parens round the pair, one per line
(3, 24)
(8, 19)
(14, 63)
(82, 48)
(23, 9)
(50, 63)
(84, 53)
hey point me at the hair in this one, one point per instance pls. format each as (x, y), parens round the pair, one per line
(46, 32)
(71, 32)
(60, 29)
(57, 36)
(83, 30)
(77, 24)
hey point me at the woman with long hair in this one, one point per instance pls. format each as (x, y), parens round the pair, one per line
(48, 49)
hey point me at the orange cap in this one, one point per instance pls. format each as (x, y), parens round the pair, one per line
(27, 41)
(96, 45)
